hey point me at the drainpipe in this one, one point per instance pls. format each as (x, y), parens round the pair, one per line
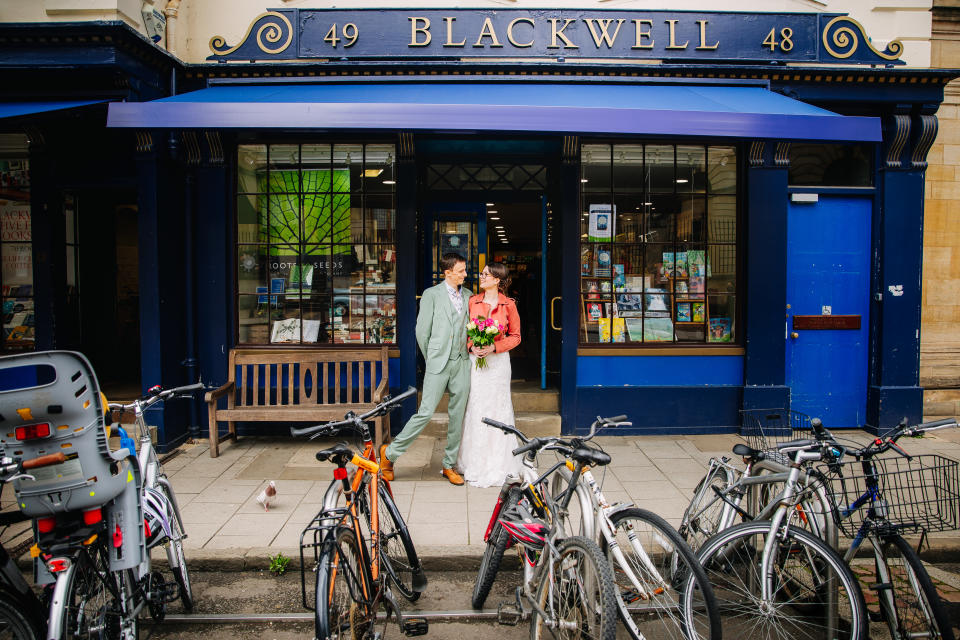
(171, 10)
(190, 362)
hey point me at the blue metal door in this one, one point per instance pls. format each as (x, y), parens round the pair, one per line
(828, 297)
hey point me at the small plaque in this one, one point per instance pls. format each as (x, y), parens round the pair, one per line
(826, 322)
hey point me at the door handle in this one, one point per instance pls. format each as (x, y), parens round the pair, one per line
(552, 323)
(794, 335)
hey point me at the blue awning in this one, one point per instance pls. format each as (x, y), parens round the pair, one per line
(646, 109)
(14, 109)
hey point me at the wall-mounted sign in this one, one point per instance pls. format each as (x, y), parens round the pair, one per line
(825, 322)
(309, 34)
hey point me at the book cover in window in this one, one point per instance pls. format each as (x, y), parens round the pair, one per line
(657, 330)
(619, 278)
(697, 311)
(666, 267)
(720, 330)
(602, 225)
(680, 266)
(612, 330)
(683, 312)
(603, 263)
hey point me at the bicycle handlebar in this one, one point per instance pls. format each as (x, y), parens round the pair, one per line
(352, 420)
(156, 394)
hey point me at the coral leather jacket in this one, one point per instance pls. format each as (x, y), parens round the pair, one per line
(505, 313)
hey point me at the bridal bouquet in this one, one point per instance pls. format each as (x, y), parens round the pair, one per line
(482, 332)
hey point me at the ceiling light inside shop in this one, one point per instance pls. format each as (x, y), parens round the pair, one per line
(647, 204)
(492, 211)
(494, 218)
(584, 180)
(389, 182)
(372, 173)
(682, 181)
(489, 204)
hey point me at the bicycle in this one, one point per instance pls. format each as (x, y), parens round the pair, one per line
(567, 581)
(22, 614)
(351, 565)
(164, 524)
(878, 500)
(773, 579)
(651, 563)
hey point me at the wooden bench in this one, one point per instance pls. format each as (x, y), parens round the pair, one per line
(298, 385)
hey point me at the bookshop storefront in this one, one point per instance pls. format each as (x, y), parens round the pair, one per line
(714, 231)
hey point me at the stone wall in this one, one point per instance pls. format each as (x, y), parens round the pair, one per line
(940, 328)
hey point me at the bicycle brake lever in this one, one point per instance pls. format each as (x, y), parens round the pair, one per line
(20, 476)
(896, 447)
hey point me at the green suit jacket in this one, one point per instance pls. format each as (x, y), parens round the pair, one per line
(441, 331)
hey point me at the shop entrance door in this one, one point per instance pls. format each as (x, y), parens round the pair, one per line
(828, 298)
(459, 227)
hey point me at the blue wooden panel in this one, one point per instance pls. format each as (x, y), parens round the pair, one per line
(641, 371)
(828, 264)
(661, 410)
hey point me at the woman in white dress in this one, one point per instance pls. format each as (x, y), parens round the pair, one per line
(486, 457)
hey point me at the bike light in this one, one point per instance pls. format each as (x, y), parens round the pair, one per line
(117, 537)
(146, 529)
(92, 516)
(340, 473)
(32, 431)
(56, 565)
(46, 525)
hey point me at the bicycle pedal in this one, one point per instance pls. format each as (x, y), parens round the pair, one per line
(171, 592)
(415, 627)
(508, 615)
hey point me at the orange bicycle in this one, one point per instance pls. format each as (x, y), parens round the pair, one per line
(358, 545)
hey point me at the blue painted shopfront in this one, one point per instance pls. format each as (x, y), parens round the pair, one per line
(183, 173)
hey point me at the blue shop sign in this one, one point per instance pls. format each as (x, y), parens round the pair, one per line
(310, 34)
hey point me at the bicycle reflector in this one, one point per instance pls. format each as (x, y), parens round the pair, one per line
(46, 525)
(340, 473)
(32, 431)
(56, 565)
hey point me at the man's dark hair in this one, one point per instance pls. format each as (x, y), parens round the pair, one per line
(449, 260)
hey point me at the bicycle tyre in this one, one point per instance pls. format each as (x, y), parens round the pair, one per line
(493, 554)
(91, 610)
(397, 553)
(175, 556)
(698, 617)
(13, 623)
(338, 614)
(919, 608)
(731, 560)
(701, 520)
(580, 568)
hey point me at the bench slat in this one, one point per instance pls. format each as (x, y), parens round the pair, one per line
(300, 355)
(243, 386)
(292, 414)
(256, 386)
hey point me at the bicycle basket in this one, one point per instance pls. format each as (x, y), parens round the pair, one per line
(914, 495)
(764, 429)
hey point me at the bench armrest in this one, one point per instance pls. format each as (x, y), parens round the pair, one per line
(381, 390)
(211, 396)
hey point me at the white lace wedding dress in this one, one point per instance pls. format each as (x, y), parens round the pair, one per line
(486, 457)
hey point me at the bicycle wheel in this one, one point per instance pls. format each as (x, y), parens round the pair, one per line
(701, 520)
(175, 555)
(813, 593)
(651, 580)
(919, 611)
(341, 611)
(94, 606)
(493, 553)
(578, 597)
(14, 625)
(397, 553)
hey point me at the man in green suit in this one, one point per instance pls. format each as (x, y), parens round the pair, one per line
(442, 338)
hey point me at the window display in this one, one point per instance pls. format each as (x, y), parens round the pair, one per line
(316, 252)
(16, 253)
(658, 244)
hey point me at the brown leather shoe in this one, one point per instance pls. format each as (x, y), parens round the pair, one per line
(386, 467)
(452, 476)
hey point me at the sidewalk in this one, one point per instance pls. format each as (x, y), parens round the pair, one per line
(227, 528)
(226, 524)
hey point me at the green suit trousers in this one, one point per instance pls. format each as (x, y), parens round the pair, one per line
(455, 377)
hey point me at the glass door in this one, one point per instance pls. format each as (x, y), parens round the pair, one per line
(455, 228)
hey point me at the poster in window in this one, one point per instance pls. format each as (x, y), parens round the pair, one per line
(720, 330)
(602, 222)
(455, 243)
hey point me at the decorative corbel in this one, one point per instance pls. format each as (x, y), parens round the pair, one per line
(144, 142)
(191, 145)
(925, 133)
(571, 149)
(405, 147)
(214, 147)
(755, 155)
(900, 127)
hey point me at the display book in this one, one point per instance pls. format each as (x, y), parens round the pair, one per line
(18, 313)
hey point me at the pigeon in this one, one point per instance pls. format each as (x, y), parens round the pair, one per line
(268, 495)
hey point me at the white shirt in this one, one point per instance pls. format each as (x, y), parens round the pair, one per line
(455, 297)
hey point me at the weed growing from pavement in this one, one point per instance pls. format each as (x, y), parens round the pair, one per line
(278, 564)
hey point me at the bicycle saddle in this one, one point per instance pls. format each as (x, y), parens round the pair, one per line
(336, 453)
(744, 451)
(590, 456)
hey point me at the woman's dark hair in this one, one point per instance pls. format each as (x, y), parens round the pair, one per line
(449, 260)
(499, 271)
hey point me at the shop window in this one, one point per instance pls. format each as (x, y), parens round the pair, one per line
(658, 244)
(316, 248)
(831, 165)
(16, 252)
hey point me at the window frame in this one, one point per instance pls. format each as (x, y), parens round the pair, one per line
(736, 345)
(236, 194)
